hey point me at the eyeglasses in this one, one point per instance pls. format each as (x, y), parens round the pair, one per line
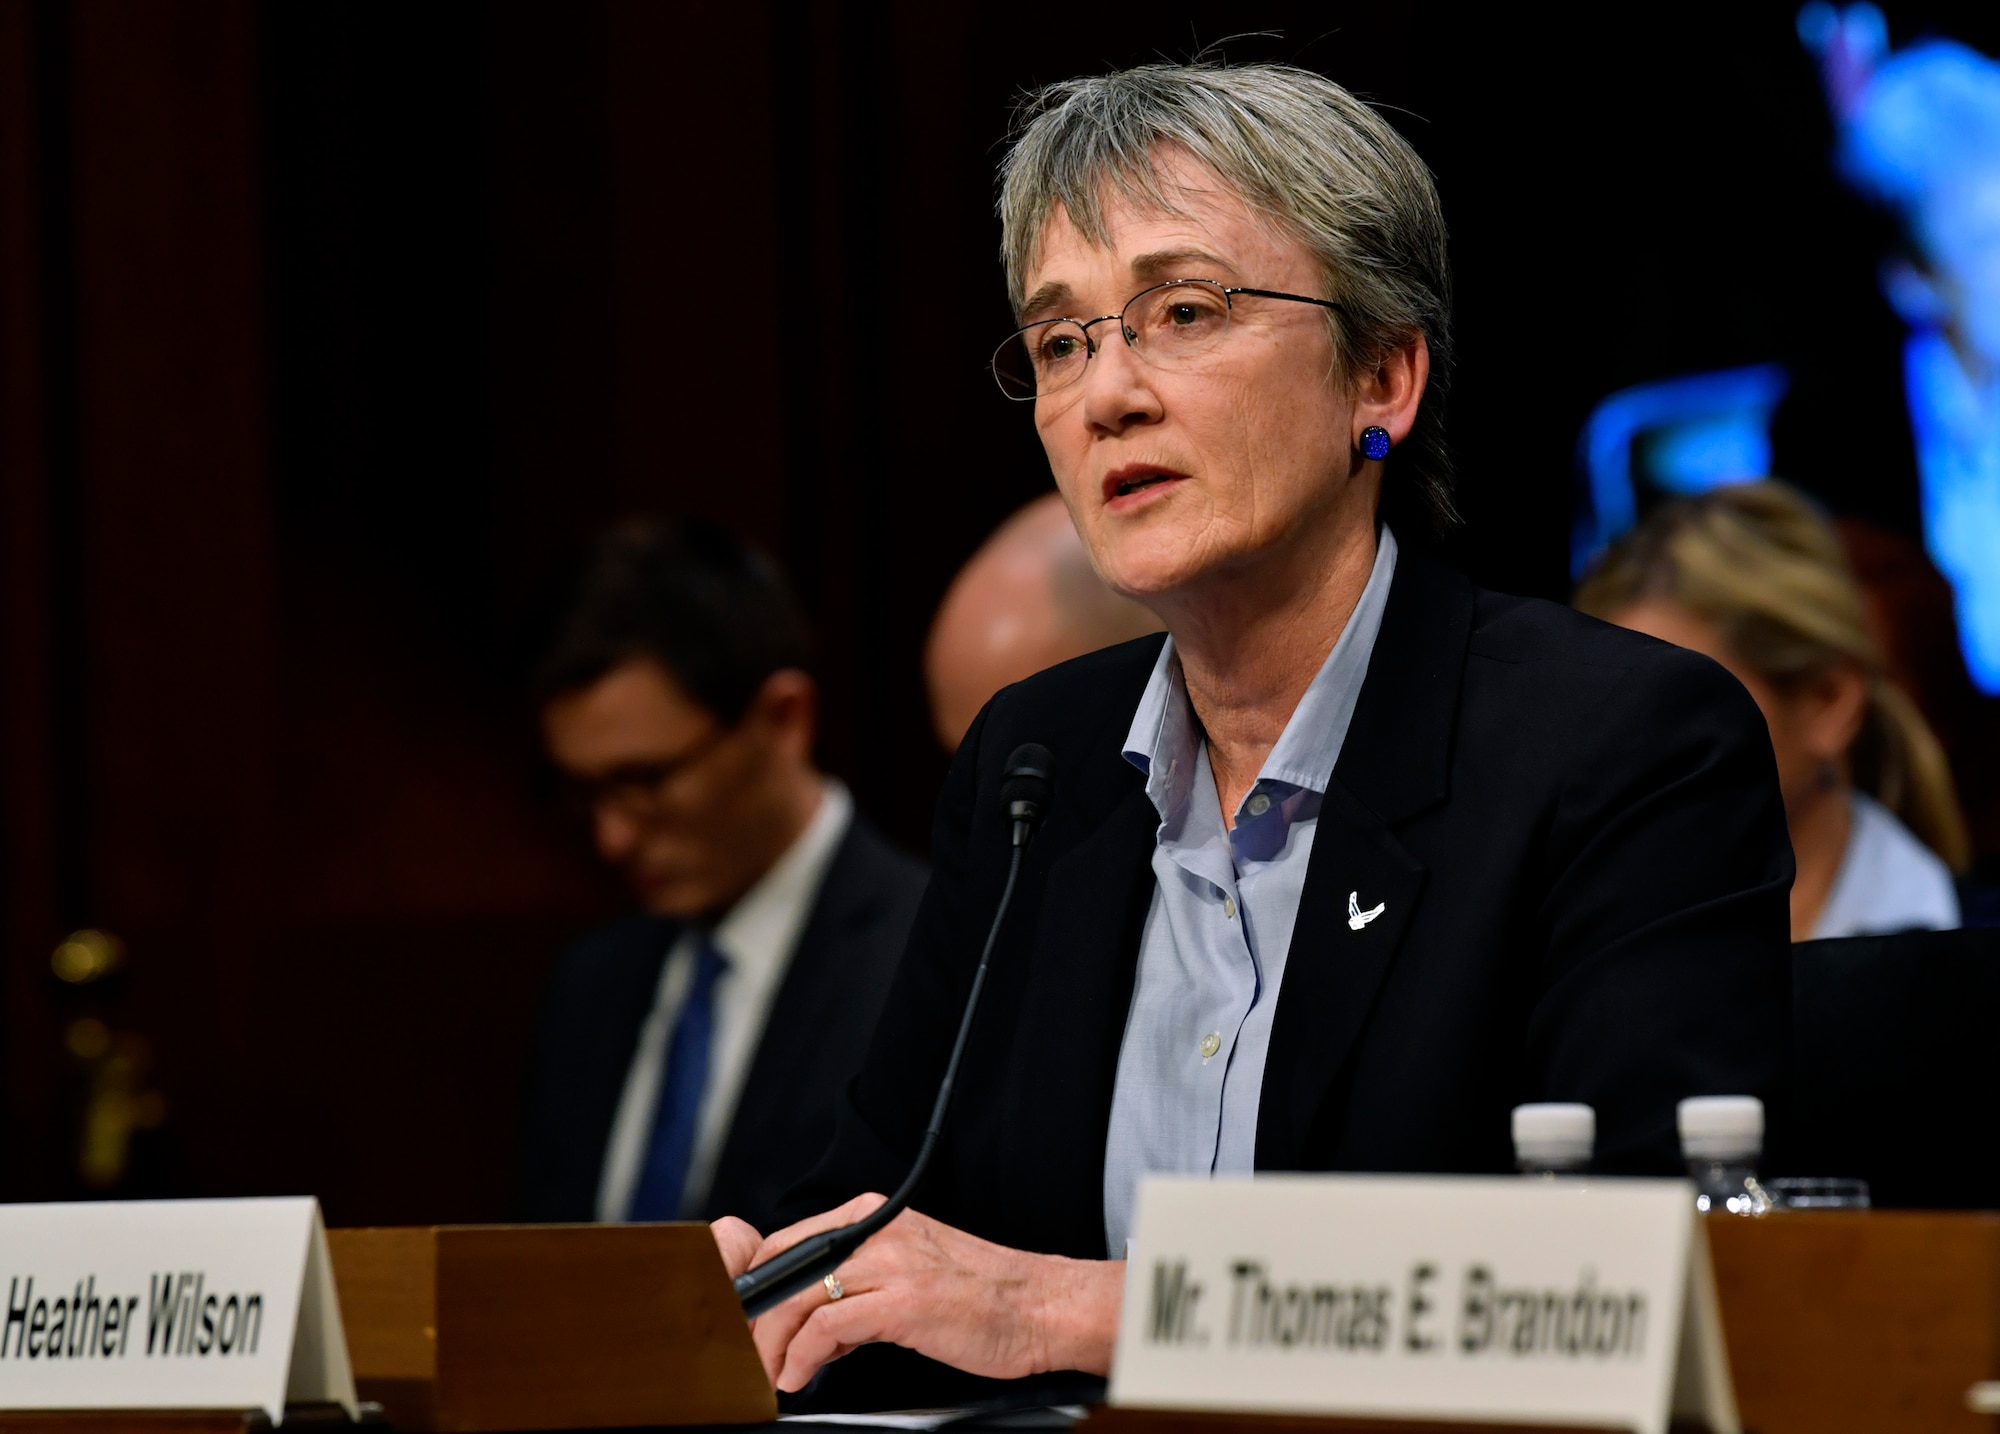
(637, 790)
(1167, 325)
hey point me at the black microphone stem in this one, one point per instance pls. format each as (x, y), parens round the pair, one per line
(817, 1256)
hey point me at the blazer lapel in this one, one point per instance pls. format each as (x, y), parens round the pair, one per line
(1334, 969)
(1394, 764)
(808, 1011)
(1078, 993)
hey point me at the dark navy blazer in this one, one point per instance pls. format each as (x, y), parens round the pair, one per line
(1578, 840)
(603, 988)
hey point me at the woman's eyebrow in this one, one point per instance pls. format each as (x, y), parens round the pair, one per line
(1172, 264)
(1049, 296)
(1147, 268)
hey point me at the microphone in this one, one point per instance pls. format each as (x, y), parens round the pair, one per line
(1025, 787)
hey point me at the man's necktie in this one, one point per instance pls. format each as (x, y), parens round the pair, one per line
(683, 1079)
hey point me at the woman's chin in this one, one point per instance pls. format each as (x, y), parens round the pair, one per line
(1145, 578)
(1169, 559)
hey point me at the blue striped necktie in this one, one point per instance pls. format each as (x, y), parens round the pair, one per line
(683, 1081)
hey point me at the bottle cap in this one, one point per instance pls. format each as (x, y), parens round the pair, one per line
(1554, 1134)
(1722, 1127)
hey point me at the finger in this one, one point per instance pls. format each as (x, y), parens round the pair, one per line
(777, 1327)
(858, 1208)
(774, 1330)
(738, 1240)
(834, 1329)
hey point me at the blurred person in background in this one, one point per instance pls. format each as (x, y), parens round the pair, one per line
(689, 1056)
(1025, 601)
(1753, 576)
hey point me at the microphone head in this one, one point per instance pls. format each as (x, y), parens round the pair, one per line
(1027, 781)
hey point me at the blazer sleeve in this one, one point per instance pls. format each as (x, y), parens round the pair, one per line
(1665, 922)
(596, 998)
(550, 1151)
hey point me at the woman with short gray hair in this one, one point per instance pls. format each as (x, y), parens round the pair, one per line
(1306, 156)
(1354, 859)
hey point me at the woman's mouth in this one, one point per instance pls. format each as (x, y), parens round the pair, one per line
(1135, 479)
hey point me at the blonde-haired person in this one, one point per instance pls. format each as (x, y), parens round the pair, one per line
(1753, 576)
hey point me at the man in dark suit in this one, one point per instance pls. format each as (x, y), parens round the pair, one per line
(689, 1055)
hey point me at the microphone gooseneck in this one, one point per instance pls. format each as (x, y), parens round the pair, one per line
(1024, 789)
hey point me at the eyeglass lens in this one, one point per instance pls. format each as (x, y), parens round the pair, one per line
(638, 790)
(1166, 324)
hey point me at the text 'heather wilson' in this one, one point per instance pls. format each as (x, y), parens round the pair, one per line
(182, 1318)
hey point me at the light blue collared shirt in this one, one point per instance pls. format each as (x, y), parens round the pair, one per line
(1213, 952)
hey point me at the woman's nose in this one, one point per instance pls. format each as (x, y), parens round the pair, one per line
(1117, 386)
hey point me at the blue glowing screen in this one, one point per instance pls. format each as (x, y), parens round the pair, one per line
(1918, 132)
(1681, 435)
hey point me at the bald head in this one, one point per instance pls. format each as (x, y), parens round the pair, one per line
(1027, 600)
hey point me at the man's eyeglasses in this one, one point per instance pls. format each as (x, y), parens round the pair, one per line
(1167, 325)
(637, 790)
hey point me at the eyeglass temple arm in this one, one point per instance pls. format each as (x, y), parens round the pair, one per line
(1295, 298)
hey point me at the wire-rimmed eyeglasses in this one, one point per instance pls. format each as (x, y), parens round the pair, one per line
(1166, 325)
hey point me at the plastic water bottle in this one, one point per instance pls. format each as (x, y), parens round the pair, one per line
(1554, 1138)
(1722, 1137)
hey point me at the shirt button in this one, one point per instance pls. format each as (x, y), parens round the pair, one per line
(1258, 805)
(1229, 906)
(1210, 1044)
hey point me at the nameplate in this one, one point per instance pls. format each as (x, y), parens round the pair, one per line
(1585, 1302)
(169, 1304)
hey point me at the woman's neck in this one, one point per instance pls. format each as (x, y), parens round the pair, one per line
(1249, 650)
(1820, 821)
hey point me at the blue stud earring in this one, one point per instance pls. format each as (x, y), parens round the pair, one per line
(1375, 441)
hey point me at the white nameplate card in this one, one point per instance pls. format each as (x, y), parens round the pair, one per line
(169, 1304)
(1495, 1300)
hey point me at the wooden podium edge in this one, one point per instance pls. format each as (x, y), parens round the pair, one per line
(179, 1421)
(132, 1421)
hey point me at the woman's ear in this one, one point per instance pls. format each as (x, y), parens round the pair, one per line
(1387, 395)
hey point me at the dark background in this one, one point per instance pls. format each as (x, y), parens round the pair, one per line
(327, 331)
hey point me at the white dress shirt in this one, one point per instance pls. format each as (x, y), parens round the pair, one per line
(757, 938)
(1888, 880)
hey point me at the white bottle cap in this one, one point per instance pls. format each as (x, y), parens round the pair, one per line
(1554, 1134)
(1722, 1127)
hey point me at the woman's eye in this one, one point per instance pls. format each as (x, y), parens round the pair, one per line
(1184, 314)
(1060, 347)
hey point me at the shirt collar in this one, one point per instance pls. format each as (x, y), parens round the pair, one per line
(764, 925)
(1164, 740)
(1163, 743)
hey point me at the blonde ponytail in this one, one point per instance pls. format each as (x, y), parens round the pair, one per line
(1898, 761)
(1759, 562)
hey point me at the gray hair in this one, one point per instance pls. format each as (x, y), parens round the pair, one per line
(1299, 150)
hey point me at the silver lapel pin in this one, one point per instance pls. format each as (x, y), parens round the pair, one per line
(1356, 917)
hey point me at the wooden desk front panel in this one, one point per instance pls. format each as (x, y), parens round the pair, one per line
(629, 1325)
(458, 1329)
(1862, 1321)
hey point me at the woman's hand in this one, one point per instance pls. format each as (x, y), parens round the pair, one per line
(967, 1302)
(738, 1240)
